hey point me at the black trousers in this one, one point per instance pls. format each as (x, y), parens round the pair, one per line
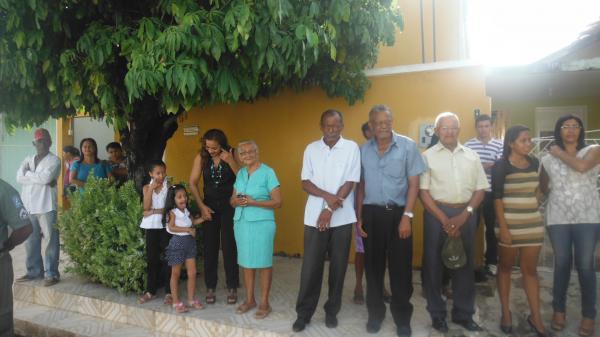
(218, 233)
(486, 210)
(381, 225)
(463, 279)
(157, 271)
(334, 242)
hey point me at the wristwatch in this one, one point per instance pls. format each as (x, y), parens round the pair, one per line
(409, 214)
(470, 209)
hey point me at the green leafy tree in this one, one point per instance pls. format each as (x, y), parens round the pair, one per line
(140, 64)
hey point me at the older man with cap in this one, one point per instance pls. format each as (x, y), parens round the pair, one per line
(38, 174)
(451, 190)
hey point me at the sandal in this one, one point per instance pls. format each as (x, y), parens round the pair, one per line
(232, 296)
(210, 297)
(586, 328)
(195, 304)
(262, 313)
(146, 297)
(168, 299)
(180, 308)
(558, 322)
(245, 307)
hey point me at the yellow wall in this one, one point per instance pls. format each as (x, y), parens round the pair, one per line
(283, 126)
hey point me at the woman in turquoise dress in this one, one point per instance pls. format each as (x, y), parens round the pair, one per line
(255, 196)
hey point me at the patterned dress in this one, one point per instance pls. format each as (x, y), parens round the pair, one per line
(517, 189)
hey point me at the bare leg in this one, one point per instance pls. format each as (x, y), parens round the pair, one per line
(249, 285)
(190, 265)
(529, 260)
(266, 276)
(359, 269)
(175, 272)
(506, 261)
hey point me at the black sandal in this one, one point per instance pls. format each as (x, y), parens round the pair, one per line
(232, 296)
(210, 297)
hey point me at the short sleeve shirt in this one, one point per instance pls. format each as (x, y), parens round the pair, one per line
(12, 211)
(488, 152)
(329, 169)
(258, 186)
(386, 176)
(453, 176)
(99, 169)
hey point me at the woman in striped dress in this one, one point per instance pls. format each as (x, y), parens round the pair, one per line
(515, 181)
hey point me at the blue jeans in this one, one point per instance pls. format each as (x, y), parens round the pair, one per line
(44, 226)
(580, 238)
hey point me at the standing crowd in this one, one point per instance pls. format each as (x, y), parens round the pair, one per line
(370, 190)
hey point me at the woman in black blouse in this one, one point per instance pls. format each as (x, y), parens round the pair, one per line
(216, 165)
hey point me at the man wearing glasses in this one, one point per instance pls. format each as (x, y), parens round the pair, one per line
(38, 174)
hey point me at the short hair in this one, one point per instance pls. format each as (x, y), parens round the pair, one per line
(331, 112)
(72, 150)
(483, 118)
(248, 142)
(380, 108)
(114, 146)
(155, 163)
(444, 115)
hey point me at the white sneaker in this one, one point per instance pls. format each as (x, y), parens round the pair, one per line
(491, 269)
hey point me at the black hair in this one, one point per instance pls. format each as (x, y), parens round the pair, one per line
(557, 127)
(216, 135)
(155, 163)
(483, 118)
(509, 137)
(329, 113)
(170, 201)
(72, 150)
(91, 140)
(114, 145)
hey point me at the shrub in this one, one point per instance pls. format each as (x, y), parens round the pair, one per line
(101, 235)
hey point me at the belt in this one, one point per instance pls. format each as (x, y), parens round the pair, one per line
(451, 205)
(387, 207)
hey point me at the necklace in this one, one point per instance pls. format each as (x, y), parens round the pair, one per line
(216, 174)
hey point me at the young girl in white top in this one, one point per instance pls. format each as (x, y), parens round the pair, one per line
(182, 246)
(157, 238)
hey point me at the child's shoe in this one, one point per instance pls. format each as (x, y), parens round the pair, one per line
(180, 308)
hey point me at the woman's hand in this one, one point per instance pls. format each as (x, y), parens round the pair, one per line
(505, 236)
(246, 200)
(226, 156)
(206, 212)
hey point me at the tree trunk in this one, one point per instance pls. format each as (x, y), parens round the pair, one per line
(145, 139)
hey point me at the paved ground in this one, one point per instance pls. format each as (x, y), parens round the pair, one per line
(352, 317)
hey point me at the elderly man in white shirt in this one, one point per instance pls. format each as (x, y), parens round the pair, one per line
(330, 170)
(37, 175)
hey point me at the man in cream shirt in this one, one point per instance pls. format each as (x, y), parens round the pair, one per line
(451, 190)
(330, 170)
(38, 175)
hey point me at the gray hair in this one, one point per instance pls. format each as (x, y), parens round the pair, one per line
(248, 142)
(445, 115)
(380, 108)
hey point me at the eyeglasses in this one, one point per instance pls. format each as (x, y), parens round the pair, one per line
(572, 127)
(247, 152)
(448, 129)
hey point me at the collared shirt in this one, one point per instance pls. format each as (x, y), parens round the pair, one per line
(488, 153)
(386, 176)
(12, 212)
(258, 186)
(452, 177)
(38, 196)
(329, 169)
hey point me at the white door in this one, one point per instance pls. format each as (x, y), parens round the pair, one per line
(86, 127)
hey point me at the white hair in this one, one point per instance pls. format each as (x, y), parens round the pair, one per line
(248, 142)
(444, 115)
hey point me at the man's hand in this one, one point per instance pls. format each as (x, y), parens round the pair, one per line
(324, 220)
(456, 223)
(360, 229)
(52, 183)
(404, 228)
(333, 201)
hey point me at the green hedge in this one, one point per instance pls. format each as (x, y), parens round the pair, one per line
(101, 235)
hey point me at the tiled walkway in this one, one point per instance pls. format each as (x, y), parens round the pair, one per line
(121, 315)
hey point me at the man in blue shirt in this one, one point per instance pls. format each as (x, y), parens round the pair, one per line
(391, 165)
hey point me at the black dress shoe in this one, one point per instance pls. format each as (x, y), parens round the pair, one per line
(468, 324)
(404, 331)
(373, 327)
(299, 324)
(331, 321)
(440, 324)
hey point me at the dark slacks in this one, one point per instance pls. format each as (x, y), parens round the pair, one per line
(218, 233)
(463, 282)
(487, 212)
(382, 242)
(334, 242)
(6, 296)
(157, 270)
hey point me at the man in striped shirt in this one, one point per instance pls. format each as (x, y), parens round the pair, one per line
(489, 150)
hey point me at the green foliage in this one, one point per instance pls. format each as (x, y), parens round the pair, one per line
(104, 57)
(101, 235)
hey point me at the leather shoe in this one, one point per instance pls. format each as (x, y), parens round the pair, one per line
(468, 324)
(373, 327)
(331, 321)
(299, 324)
(404, 331)
(440, 324)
